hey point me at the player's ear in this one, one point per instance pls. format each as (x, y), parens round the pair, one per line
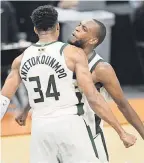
(93, 41)
(35, 30)
(58, 27)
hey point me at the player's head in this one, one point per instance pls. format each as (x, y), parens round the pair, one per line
(45, 19)
(88, 33)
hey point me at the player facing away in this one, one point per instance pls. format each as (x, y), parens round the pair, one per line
(88, 35)
(58, 133)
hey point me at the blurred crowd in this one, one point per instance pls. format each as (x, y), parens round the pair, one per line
(16, 23)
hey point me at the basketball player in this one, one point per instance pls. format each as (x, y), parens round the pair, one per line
(88, 35)
(58, 133)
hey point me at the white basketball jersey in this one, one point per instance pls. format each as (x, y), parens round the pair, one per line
(89, 115)
(48, 81)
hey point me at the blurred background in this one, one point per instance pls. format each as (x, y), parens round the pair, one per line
(123, 48)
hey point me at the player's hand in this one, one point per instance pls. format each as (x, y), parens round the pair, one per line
(128, 140)
(21, 118)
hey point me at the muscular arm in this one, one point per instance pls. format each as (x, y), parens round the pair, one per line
(106, 75)
(96, 101)
(13, 80)
(10, 86)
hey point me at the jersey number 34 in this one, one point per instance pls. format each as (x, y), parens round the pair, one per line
(51, 83)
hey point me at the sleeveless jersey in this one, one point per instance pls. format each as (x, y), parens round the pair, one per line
(92, 120)
(90, 117)
(48, 81)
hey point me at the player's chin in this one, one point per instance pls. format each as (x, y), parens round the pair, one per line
(72, 40)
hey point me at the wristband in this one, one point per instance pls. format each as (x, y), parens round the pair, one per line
(4, 103)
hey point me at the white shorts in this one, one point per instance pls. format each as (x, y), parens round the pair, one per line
(101, 148)
(62, 139)
(96, 126)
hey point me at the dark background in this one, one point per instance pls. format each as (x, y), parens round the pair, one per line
(126, 56)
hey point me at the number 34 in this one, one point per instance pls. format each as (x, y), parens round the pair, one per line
(51, 83)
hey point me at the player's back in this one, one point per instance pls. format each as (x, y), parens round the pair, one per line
(48, 81)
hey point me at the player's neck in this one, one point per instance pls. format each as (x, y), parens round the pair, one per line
(47, 39)
(88, 50)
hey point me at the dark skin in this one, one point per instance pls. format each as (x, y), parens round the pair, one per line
(104, 73)
(87, 32)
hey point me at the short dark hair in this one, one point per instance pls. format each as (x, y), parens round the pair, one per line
(101, 33)
(44, 18)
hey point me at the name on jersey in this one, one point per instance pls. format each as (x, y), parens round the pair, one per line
(46, 60)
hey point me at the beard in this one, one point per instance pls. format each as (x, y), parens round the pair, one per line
(77, 43)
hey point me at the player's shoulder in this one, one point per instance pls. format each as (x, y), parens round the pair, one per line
(103, 67)
(104, 72)
(76, 53)
(17, 61)
(75, 49)
(31, 47)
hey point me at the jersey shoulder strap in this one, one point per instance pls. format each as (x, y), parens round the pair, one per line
(94, 60)
(62, 48)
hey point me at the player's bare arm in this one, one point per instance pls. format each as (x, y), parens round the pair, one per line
(105, 74)
(10, 86)
(79, 65)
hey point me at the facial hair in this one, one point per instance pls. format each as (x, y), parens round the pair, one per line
(77, 43)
